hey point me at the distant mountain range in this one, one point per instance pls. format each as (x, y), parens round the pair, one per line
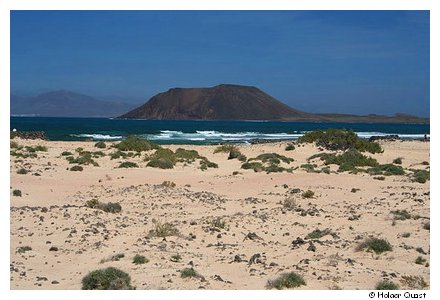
(235, 102)
(66, 104)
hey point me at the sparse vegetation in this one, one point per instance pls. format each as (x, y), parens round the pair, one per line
(84, 158)
(176, 258)
(256, 166)
(289, 202)
(226, 148)
(308, 194)
(107, 279)
(24, 249)
(273, 158)
(161, 163)
(205, 164)
(116, 257)
(134, 143)
(66, 153)
(168, 184)
(420, 176)
(401, 214)
(420, 260)
(100, 145)
(235, 153)
(414, 282)
(317, 233)
(218, 223)
(339, 139)
(76, 168)
(163, 230)
(288, 280)
(397, 161)
(376, 245)
(128, 164)
(387, 170)
(107, 207)
(290, 147)
(382, 178)
(118, 154)
(189, 273)
(22, 171)
(140, 259)
(16, 193)
(386, 285)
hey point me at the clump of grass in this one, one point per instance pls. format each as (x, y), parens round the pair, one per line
(256, 166)
(288, 280)
(309, 168)
(420, 176)
(128, 164)
(116, 257)
(22, 171)
(397, 161)
(414, 282)
(308, 194)
(161, 163)
(107, 279)
(401, 214)
(176, 258)
(134, 143)
(13, 145)
(273, 158)
(376, 245)
(189, 273)
(205, 164)
(118, 154)
(140, 259)
(290, 147)
(168, 184)
(427, 226)
(235, 153)
(218, 223)
(37, 148)
(187, 156)
(107, 207)
(100, 145)
(24, 249)
(163, 230)
(339, 139)
(290, 203)
(16, 193)
(84, 158)
(226, 148)
(381, 178)
(76, 168)
(406, 234)
(420, 260)
(386, 285)
(317, 233)
(387, 170)
(66, 153)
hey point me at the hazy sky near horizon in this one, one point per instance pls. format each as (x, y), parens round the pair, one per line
(318, 61)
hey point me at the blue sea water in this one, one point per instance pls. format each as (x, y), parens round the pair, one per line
(197, 132)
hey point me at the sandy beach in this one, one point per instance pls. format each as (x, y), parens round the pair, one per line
(234, 227)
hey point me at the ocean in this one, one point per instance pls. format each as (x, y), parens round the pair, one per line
(198, 132)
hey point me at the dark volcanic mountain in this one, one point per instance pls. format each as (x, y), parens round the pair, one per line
(235, 102)
(222, 102)
(66, 104)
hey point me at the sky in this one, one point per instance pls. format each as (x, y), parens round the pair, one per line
(358, 62)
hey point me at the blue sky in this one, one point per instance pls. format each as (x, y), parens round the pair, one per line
(319, 61)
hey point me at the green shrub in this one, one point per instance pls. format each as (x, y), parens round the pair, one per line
(188, 156)
(128, 164)
(176, 258)
(382, 178)
(168, 184)
(66, 153)
(274, 158)
(401, 214)
(205, 164)
(140, 259)
(420, 176)
(98, 154)
(256, 166)
(100, 145)
(397, 161)
(107, 279)
(189, 273)
(84, 158)
(226, 148)
(22, 171)
(94, 203)
(308, 194)
(309, 168)
(288, 280)
(76, 168)
(16, 193)
(387, 170)
(163, 230)
(317, 234)
(386, 285)
(235, 153)
(339, 139)
(162, 154)
(374, 244)
(414, 282)
(133, 143)
(420, 260)
(218, 223)
(161, 163)
(290, 147)
(118, 154)
(110, 207)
